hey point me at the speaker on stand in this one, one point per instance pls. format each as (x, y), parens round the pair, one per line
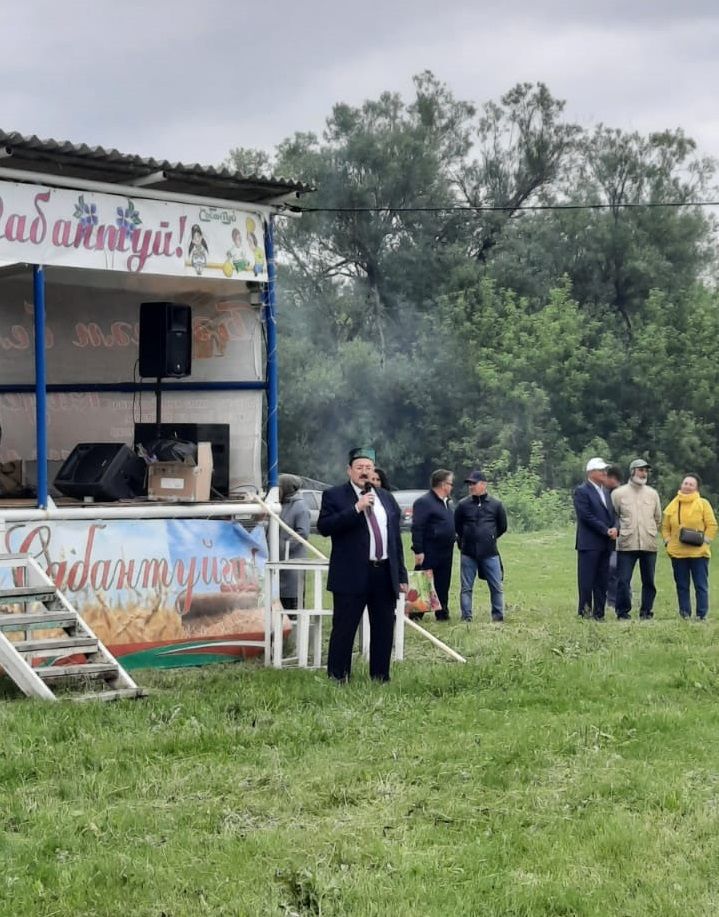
(165, 345)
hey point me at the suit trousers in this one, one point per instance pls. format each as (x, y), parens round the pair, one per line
(380, 601)
(592, 576)
(625, 568)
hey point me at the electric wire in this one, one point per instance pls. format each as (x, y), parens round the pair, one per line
(508, 208)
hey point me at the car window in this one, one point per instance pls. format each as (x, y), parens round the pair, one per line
(312, 498)
(407, 497)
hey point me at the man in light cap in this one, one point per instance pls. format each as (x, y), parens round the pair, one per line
(596, 533)
(479, 521)
(639, 512)
(366, 566)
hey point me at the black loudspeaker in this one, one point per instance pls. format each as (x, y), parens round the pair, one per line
(217, 434)
(165, 340)
(103, 471)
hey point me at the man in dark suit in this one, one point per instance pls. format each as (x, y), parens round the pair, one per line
(433, 535)
(366, 566)
(596, 534)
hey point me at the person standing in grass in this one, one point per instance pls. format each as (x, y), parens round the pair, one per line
(612, 480)
(295, 514)
(479, 522)
(690, 561)
(639, 512)
(366, 566)
(433, 535)
(596, 534)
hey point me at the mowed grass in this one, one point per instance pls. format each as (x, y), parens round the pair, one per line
(569, 767)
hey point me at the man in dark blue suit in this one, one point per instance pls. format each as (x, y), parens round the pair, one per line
(367, 567)
(596, 534)
(433, 536)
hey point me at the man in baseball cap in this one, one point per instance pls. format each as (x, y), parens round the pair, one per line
(596, 464)
(474, 477)
(640, 516)
(596, 533)
(480, 520)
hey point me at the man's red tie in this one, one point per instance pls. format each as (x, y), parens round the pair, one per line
(374, 525)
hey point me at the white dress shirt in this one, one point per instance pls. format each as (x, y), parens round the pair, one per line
(381, 516)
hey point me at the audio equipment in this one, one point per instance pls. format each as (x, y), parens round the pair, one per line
(103, 471)
(165, 340)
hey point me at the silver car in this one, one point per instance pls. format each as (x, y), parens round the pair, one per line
(313, 500)
(406, 499)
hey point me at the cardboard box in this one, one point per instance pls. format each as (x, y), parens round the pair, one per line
(186, 481)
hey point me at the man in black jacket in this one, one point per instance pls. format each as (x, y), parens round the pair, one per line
(433, 535)
(367, 567)
(480, 520)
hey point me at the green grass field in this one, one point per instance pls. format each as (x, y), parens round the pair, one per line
(570, 767)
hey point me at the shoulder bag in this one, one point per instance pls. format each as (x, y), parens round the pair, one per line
(689, 536)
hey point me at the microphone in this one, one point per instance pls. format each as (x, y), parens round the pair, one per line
(367, 488)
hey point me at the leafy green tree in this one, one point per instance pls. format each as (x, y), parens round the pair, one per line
(521, 340)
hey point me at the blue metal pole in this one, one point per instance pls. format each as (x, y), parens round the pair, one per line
(272, 368)
(38, 288)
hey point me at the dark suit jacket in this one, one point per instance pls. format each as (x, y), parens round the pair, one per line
(432, 529)
(593, 519)
(349, 558)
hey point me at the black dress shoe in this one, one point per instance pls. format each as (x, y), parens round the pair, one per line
(441, 616)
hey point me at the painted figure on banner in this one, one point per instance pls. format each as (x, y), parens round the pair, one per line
(255, 247)
(198, 250)
(237, 259)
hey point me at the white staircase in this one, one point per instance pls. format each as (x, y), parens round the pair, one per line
(30, 609)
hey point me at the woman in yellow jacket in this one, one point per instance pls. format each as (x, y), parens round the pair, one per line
(689, 510)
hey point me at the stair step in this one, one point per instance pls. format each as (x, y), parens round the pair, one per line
(112, 695)
(24, 594)
(45, 619)
(54, 646)
(87, 670)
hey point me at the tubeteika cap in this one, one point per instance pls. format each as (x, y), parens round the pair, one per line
(596, 464)
(474, 477)
(366, 452)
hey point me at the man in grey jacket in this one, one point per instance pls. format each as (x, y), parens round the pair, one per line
(639, 513)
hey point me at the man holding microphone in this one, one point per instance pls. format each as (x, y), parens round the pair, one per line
(367, 568)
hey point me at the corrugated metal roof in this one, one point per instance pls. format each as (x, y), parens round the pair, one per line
(82, 162)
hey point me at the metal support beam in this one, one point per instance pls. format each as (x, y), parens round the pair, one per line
(38, 285)
(272, 367)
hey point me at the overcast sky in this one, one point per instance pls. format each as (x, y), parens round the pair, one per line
(188, 81)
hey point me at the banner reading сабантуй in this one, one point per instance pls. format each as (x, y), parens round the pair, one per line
(55, 226)
(159, 592)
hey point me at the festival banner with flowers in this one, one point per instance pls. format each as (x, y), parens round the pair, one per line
(160, 592)
(53, 226)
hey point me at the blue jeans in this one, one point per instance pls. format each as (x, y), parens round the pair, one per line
(625, 567)
(491, 569)
(697, 569)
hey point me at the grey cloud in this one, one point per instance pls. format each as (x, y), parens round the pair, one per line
(187, 80)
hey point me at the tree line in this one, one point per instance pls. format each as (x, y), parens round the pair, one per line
(493, 285)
